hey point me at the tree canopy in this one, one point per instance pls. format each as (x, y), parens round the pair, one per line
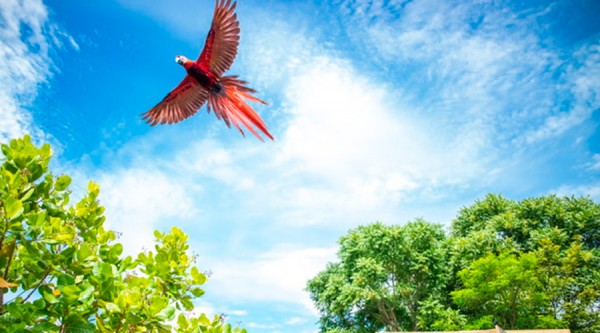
(525, 264)
(62, 271)
(385, 273)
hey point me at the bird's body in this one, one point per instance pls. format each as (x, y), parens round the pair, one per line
(204, 77)
(226, 95)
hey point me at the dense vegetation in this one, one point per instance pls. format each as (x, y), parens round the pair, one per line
(61, 271)
(525, 264)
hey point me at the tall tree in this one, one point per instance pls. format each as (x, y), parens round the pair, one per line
(384, 276)
(62, 271)
(562, 234)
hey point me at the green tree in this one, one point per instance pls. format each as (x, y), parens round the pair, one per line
(385, 276)
(61, 271)
(505, 288)
(562, 234)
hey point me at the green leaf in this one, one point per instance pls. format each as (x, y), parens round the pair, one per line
(27, 194)
(51, 208)
(105, 270)
(182, 321)
(86, 294)
(49, 296)
(199, 278)
(187, 303)
(13, 208)
(71, 292)
(112, 307)
(83, 252)
(75, 323)
(197, 292)
(62, 182)
(133, 297)
(115, 251)
(39, 304)
(65, 280)
(158, 303)
(167, 313)
(203, 320)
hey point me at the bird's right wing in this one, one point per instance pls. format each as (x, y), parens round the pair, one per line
(181, 103)
(223, 38)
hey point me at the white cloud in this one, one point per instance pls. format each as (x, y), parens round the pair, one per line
(236, 312)
(263, 326)
(137, 199)
(481, 68)
(295, 320)
(208, 158)
(584, 87)
(278, 275)
(594, 164)
(340, 122)
(21, 67)
(26, 38)
(353, 147)
(592, 190)
(345, 126)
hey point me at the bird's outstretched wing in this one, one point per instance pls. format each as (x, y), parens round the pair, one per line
(223, 38)
(181, 103)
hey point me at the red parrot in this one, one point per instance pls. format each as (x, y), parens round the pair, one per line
(204, 81)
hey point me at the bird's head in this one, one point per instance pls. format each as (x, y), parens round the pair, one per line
(181, 60)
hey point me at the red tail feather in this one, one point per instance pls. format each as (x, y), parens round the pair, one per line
(229, 104)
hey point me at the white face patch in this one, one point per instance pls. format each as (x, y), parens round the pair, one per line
(180, 60)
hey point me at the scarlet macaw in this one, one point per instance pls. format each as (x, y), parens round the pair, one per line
(204, 81)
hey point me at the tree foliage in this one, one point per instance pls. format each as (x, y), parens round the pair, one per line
(505, 286)
(562, 235)
(525, 264)
(384, 276)
(62, 271)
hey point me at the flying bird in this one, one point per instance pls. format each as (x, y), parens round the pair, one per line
(205, 83)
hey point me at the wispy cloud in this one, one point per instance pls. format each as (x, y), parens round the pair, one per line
(263, 326)
(352, 143)
(583, 88)
(594, 164)
(137, 199)
(482, 68)
(295, 321)
(27, 35)
(592, 190)
(278, 275)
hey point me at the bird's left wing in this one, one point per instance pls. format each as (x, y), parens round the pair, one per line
(223, 38)
(181, 103)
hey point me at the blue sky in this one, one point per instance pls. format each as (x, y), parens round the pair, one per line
(382, 111)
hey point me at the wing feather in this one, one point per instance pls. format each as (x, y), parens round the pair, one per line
(181, 103)
(223, 38)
